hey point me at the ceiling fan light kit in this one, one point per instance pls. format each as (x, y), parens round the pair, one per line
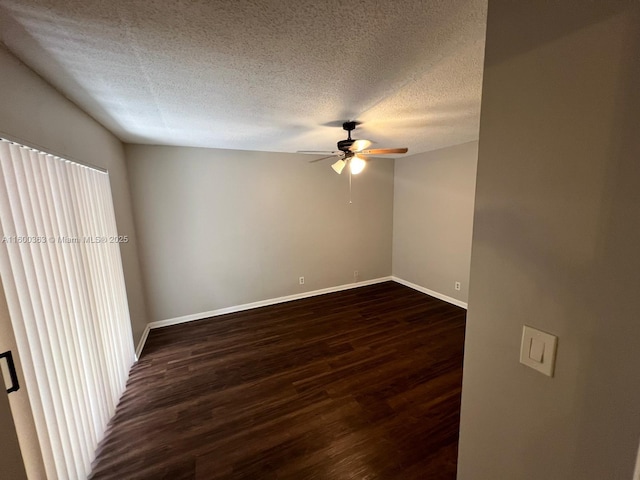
(339, 166)
(356, 164)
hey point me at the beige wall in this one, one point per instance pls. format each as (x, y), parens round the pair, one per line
(433, 217)
(221, 228)
(34, 113)
(556, 245)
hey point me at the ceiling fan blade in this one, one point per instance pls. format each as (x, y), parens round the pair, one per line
(323, 158)
(320, 152)
(359, 145)
(384, 151)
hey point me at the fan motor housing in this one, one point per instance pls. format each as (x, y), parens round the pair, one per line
(344, 145)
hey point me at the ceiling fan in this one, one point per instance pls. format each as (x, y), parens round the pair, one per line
(352, 152)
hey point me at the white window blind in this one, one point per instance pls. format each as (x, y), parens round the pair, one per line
(62, 275)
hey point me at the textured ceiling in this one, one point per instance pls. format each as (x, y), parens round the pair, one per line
(272, 75)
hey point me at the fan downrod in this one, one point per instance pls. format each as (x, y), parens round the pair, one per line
(345, 145)
(350, 126)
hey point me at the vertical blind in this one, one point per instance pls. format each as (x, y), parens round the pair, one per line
(63, 279)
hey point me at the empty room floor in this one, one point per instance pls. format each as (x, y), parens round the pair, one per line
(359, 384)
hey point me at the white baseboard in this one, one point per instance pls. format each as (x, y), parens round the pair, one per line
(263, 303)
(288, 298)
(431, 293)
(142, 341)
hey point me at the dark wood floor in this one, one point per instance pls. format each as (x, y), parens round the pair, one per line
(361, 384)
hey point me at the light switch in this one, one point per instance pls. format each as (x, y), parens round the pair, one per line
(538, 350)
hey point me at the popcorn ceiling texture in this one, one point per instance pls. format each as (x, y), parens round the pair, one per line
(270, 75)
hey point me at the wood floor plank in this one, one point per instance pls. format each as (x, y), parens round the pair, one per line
(361, 384)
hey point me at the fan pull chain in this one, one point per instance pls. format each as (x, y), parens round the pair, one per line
(350, 186)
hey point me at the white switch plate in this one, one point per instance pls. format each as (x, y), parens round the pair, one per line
(537, 345)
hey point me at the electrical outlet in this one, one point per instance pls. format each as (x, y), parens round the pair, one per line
(457, 285)
(355, 274)
(301, 280)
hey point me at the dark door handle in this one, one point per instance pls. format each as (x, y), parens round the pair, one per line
(12, 371)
